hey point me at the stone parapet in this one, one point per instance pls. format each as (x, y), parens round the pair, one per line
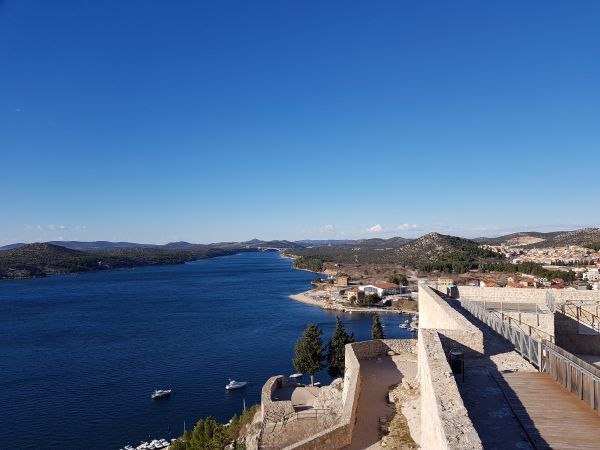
(270, 407)
(454, 329)
(445, 423)
(518, 295)
(340, 435)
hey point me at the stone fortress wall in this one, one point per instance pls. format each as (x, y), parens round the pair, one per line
(454, 329)
(445, 423)
(519, 295)
(340, 434)
(567, 332)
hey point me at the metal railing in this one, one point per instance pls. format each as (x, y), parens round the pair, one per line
(573, 373)
(274, 420)
(582, 312)
(524, 344)
(576, 375)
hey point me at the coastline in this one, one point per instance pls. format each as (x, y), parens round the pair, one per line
(303, 297)
(120, 264)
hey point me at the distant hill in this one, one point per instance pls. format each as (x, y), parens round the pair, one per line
(532, 239)
(319, 242)
(41, 251)
(100, 245)
(11, 246)
(433, 251)
(275, 244)
(180, 244)
(521, 238)
(252, 241)
(584, 237)
(36, 260)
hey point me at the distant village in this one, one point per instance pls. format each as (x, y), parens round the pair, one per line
(555, 257)
(583, 262)
(338, 291)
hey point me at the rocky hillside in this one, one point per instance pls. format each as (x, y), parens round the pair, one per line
(584, 237)
(521, 238)
(433, 251)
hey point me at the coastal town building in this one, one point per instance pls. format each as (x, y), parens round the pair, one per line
(593, 274)
(355, 293)
(342, 280)
(382, 289)
(443, 283)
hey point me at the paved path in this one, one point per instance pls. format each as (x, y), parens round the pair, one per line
(378, 375)
(488, 409)
(552, 416)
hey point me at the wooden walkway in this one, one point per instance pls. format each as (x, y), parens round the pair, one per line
(552, 417)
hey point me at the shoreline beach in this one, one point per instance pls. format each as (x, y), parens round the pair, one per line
(304, 297)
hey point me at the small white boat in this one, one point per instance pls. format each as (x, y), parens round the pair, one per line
(160, 393)
(403, 325)
(296, 375)
(406, 321)
(235, 384)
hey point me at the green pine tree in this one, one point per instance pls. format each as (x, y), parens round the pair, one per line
(309, 352)
(337, 349)
(377, 329)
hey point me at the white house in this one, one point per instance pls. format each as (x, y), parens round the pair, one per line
(592, 275)
(381, 289)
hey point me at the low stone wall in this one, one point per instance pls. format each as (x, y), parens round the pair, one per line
(518, 295)
(445, 423)
(268, 405)
(455, 330)
(380, 347)
(574, 336)
(340, 435)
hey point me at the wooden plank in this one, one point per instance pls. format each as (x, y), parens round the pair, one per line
(551, 415)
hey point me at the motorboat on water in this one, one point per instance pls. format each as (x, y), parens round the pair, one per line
(161, 393)
(403, 325)
(235, 384)
(406, 321)
(296, 375)
(152, 445)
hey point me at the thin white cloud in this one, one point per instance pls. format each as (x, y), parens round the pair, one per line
(407, 226)
(329, 228)
(53, 227)
(375, 229)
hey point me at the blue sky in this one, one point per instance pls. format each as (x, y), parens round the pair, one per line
(155, 121)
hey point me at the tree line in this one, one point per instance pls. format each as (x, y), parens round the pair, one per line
(208, 434)
(529, 268)
(312, 356)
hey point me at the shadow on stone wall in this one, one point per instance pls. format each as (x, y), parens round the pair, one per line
(574, 336)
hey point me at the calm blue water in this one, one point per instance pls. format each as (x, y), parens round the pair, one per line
(80, 355)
